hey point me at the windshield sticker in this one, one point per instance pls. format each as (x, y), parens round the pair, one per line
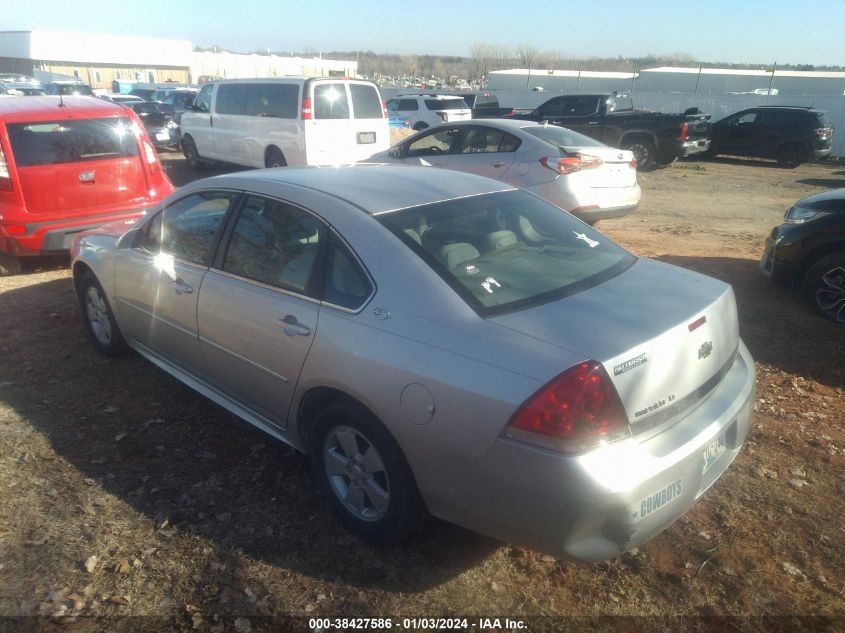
(471, 269)
(583, 236)
(488, 284)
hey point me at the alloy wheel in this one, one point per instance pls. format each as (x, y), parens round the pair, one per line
(98, 315)
(356, 473)
(830, 294)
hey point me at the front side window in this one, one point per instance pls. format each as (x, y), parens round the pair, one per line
(186, 229)
(71, 141)
(435, 144)
(508, 250)
(446, 104)
(330, 101)
(275, 243)
(203, 100)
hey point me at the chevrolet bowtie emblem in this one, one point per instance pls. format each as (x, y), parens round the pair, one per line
(705, 349)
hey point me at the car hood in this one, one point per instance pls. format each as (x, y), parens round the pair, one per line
(661, 332)
(831, 201)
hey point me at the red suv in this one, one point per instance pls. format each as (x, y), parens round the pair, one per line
(68, 164)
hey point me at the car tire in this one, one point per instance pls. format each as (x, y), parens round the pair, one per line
(9, 265)
(419, 127)
(643, 150)
(360, 470)
(273, 157)
(824, 286)
(791, 155)
(98, 317)
(192, 155)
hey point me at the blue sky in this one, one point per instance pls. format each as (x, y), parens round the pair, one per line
(751, 31)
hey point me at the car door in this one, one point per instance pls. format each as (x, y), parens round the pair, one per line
(199, 122)
(740, 135)
(485, 151)
(434, 148)
(157, 280)
(259, 305)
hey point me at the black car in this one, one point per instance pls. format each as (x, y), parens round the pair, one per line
(160, 121)
(791, 135)
(807, 252)
(67, 88)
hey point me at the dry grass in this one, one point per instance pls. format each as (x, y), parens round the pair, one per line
(192, 514)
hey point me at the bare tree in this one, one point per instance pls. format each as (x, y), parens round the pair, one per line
(480, 55)
(502, 55)
(525, 54)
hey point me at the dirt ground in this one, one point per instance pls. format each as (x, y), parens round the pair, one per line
(124, 493)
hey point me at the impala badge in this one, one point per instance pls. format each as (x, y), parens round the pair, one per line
(705, 349)
(86, 176)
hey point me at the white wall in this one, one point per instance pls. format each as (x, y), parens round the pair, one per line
(95, 48)
(237, 66)
(15, 44)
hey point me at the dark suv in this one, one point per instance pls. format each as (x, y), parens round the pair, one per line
(791, 135)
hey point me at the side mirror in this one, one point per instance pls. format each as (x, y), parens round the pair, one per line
(395, 152)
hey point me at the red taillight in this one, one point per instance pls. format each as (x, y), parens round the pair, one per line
(571, 164)
(384, 108)
(151, 157)
(306, 109)
(824, 131)
(14, 229)
(578, 410)
(684, 132)
(633, 163)
(5, 180)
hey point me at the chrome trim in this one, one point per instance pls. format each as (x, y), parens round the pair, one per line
(261, 284)
(156, 317)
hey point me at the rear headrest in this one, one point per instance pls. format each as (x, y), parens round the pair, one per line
(453, 255)
(501, 239)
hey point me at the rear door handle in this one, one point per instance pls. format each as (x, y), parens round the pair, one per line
(180, 287)
(499, 163)
(292, 327)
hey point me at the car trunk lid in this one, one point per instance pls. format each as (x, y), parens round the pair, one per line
(664, 335)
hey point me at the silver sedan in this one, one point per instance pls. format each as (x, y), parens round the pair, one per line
(438, 343)
(578, 174)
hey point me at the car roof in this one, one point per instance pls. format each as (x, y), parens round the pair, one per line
(374, 188)
(49, 107)
(502, 124)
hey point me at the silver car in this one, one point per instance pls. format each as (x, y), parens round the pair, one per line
(439, 343)
(579, 174)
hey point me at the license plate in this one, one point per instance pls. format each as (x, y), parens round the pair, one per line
(658, 499)
(162, 136)
(713, 451)
(366, 138)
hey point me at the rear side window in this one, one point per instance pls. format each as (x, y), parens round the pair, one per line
(277, 101)
(345, 284)
(446, 104)
(330, 101)
(57, 142)
(403, 105)
(561, 137)
(366, 103)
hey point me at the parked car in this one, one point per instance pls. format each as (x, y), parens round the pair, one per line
(121, 98)
(159, 120)
(807, 252)
(791, 135)
(656, 139)
(483, 105)
(578, 174)
(181, 100)
(285, 121)
(144, 93)
(436, 341)
(425, 110)
(69, 88)
(64, 169)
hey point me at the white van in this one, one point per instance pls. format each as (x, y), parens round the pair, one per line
(286, 121)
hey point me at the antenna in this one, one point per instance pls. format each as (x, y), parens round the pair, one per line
(61, 98)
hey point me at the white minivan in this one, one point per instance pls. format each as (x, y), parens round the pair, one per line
(285, 121)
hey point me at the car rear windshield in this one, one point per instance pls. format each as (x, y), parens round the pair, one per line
(446, 104)
(56, 142)
(366, 103)
(561, 137)
(507, 250)
(822, 120)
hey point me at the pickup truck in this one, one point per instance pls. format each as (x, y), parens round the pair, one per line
(483, 104)
(656, 139)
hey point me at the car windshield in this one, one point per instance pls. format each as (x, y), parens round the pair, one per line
(507, 250)
(561, 137)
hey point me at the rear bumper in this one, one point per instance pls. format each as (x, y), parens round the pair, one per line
(43, 238)
(697, 146)
(589, 204)
(600, 504)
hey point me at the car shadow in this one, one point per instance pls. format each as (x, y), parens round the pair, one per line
(180, 173)
(777, 325)
(830, 183)
(188, 465)
(731, 160)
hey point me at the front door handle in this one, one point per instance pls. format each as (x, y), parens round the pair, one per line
(180, 287)
(292, 327)
(499, 163)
